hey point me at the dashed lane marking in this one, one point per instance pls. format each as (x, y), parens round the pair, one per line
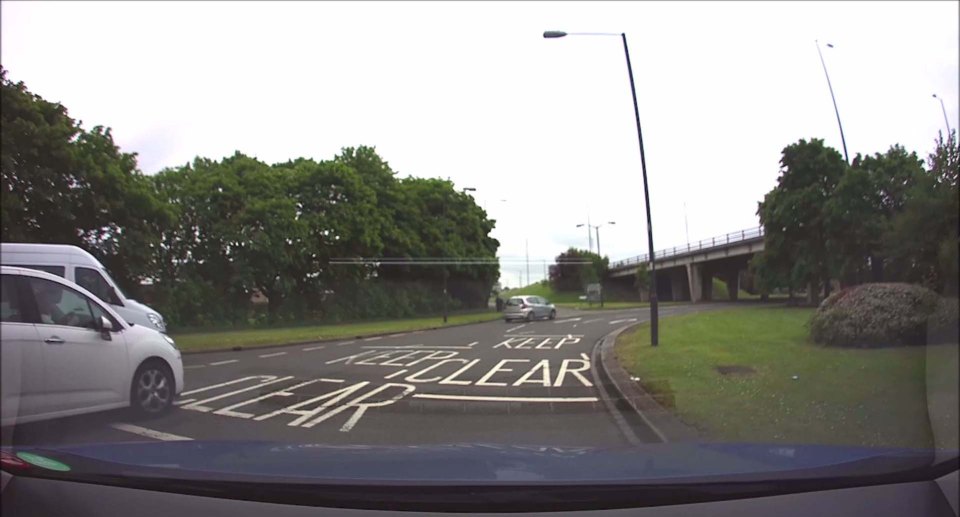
(149, 433)
(614, 322)
(516, 328)
(228, 361)
(346, 342)
(398, 335)
(374, 338)
(592, 321)
(194, 366)
(567, 320)
(310, 348)
(264, 356)
(421, 347)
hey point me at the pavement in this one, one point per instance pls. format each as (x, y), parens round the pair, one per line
(510, 383)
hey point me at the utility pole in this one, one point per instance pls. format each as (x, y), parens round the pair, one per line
(527, 245)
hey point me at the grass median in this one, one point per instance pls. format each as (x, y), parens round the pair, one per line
(752, 375)
(226, 340)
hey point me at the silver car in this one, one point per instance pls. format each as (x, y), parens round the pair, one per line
(528, 308)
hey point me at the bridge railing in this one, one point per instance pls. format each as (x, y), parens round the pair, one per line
(742, 235)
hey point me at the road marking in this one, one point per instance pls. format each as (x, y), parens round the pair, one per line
(182, 402)
(346, 342)
(228, 361)
(149, 433)
(568, 320)
(309, 348)
(262, 378)
(592, 321)
(396, 374)
(398, 335)
(614, 322)
(197, 406)
(421, 346)
(272, 355)
(285, 392)
(517, 328)
(437, 396)
(194, 367)
(374, 338)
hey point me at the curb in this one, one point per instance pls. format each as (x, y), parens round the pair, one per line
(243, 348)
(656, 422)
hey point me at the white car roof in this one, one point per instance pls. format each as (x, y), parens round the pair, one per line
(74, 252)
(10, 270)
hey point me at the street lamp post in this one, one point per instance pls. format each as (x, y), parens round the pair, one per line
(446, 271)
(654, 320)
(942, 107)
(835, 110)
(596, 229)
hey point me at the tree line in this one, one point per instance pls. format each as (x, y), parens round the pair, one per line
(884, 218)
(208, 234)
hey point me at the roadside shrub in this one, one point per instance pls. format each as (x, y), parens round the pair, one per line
(872, 315)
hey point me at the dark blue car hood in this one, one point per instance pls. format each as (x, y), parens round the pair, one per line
(484, 463)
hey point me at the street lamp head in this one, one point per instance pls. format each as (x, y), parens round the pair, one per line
(935, 96)
(580, 225)
(469, 189)
(829, 45)
(554, 34)
(611, 222)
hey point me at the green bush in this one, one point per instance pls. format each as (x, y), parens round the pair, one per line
(873, 315)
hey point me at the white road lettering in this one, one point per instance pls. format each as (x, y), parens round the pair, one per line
(403, 356)
(544, 380)
(569, 339)
(331, 399)
(396, 374)
(263, 378)
(498, 368)
(285, 392)
(198, 405)
(480, 398)
(542, 343)
(415, 377)
(566, 367)
(450, 379)
(432, 355)
(522, 344)
(367, 361)
(349, 359)
(362, 408)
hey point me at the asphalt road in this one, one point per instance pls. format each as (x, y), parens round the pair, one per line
(509, 383)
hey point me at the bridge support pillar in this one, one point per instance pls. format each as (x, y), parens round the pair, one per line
(701, 283)
(678, 291)
(732, 279)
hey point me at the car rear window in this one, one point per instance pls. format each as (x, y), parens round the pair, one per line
(515, 301)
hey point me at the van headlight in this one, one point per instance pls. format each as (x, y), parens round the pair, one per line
(157, 321)
(170, 341)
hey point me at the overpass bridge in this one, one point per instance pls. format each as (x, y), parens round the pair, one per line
(685, 273)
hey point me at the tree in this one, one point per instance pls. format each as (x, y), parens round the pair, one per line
(793, 218)
(62, 184)
(921, 239)
(641, 278)
(575, 268)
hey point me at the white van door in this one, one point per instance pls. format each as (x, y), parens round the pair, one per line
(83, 370)
(22, 361)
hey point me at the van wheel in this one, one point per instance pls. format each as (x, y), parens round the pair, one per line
(151, 393)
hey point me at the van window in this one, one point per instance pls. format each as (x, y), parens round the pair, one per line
(54, 270)
(9, 300)
(93, 281)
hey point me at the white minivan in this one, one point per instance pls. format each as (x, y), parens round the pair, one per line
(81, 268)
(65, 352)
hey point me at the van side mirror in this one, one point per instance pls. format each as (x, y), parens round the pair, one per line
(105, 327)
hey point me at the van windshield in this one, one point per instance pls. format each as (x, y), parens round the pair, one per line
(116, 286)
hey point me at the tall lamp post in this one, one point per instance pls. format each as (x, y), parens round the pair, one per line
(942, 107)
(596, 228)
(835, 110)
(446, 271)
(654, 321)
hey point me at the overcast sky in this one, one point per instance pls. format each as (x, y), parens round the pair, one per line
(471, 91)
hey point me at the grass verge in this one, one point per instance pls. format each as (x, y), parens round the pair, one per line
(799, 392)
(226, 340)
